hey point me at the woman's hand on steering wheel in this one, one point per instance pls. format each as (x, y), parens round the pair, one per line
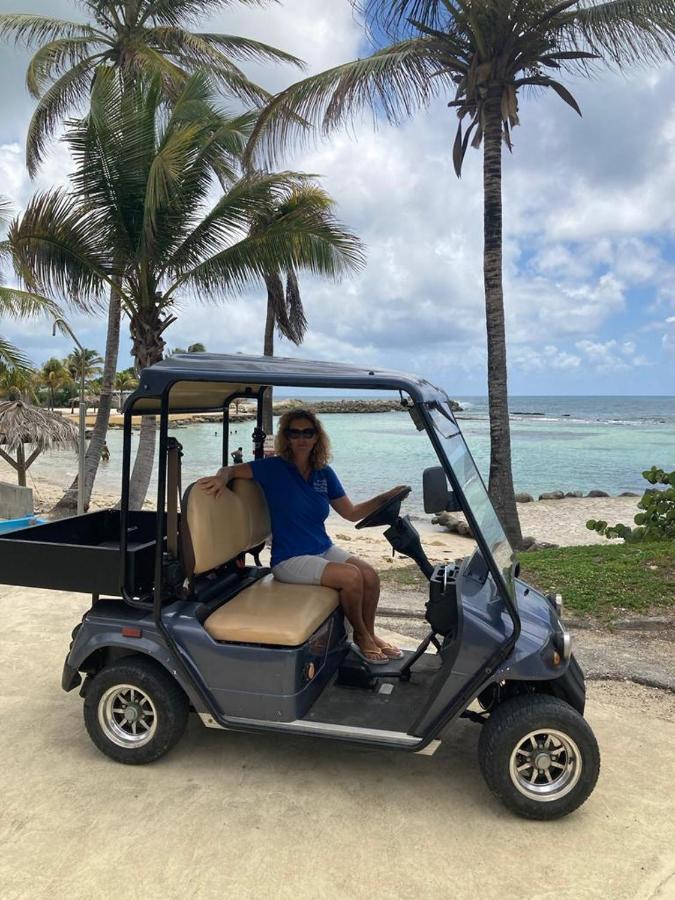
(390, 500)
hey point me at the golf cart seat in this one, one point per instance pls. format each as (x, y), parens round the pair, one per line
(217, 530)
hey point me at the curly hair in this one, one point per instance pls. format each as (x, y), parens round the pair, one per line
(321, 452)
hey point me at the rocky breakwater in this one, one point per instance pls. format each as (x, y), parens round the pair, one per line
(376, 405)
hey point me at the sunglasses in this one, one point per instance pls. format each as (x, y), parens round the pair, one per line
(295, 433)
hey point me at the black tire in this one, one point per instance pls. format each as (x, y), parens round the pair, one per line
(157, 702)
(570, 758)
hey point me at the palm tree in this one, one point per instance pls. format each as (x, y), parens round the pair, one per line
(84, 361)
(19, 384)
(54, 375)
(285, 313)
(481, 55)
(125, 381)
(136, 39)
(139, 38)
(138, 214)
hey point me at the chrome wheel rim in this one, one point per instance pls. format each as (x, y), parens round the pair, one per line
(127, 716)
(545, 765)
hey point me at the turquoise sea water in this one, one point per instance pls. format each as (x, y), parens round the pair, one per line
(566, 443)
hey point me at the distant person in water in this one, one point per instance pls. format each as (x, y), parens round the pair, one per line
(105, 453)
(237, 456)
(300, 487)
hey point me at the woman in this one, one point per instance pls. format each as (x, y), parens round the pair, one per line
(299, 486)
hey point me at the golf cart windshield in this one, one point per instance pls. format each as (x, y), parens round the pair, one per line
(472, 487)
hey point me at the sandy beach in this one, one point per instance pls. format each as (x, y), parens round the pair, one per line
(559, 522)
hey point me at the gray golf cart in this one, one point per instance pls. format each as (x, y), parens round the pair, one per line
(184, 618)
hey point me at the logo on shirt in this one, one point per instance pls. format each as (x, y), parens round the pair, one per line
(321, 485)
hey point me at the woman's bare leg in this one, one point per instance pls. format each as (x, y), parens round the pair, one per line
(371, 596)
(348, 580)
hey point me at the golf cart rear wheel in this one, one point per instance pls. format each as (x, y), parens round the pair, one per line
(134, 711)
(539, 756)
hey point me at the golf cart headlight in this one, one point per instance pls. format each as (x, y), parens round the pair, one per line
(563, 641)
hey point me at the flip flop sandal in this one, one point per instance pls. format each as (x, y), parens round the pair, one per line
(377, 661)
(392, 652)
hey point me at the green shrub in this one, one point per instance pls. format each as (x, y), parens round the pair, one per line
(656, 522)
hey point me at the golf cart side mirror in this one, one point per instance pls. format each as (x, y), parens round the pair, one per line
(437, 496)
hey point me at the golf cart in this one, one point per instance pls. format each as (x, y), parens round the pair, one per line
(184, 618)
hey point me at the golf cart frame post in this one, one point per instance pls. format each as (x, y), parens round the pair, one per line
(153, 396)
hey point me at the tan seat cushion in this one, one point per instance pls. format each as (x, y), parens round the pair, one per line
(218, 529)
(272, 612)
(251, 495)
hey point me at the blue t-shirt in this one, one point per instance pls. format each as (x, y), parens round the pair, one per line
(298, 508)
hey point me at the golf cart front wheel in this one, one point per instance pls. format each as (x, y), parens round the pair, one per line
(134, 711)
(539, 756)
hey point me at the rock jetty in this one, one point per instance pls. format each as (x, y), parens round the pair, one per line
(376, 405)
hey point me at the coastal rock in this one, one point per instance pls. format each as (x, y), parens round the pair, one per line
(452, 524)
(628, 494)
(524, 498)
(574, 494)
(597, 494)
(531, 543)
(552, 495)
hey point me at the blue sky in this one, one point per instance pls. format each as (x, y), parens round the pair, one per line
(589, 227)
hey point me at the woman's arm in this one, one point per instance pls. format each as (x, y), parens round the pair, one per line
(215, 484)
(354, 512)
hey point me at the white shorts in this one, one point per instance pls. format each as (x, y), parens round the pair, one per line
(309, 569)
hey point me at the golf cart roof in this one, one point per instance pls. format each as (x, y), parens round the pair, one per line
(205, 381)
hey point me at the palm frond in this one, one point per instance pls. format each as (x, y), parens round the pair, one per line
(294, 326)
(17, 304)
(247, 49)
(11, 357)
(28, 29)
(173, 12)
(58, 100)
(629, 32)
(58, 251)
(51, 60)
(247, 201)
(394, 82)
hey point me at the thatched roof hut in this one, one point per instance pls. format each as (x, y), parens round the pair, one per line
(22, 423)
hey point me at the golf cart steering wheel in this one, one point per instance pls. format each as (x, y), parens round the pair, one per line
(387, 512)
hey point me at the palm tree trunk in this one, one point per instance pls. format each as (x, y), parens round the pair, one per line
(500, 484)
(147, 327)
(68, 503)
(268, 350)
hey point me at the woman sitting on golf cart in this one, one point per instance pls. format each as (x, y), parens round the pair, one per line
(299, 485)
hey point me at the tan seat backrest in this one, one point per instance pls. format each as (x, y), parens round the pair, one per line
(253, 498)
(215, 530)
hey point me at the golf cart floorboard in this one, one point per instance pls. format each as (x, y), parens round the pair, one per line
(387, 709)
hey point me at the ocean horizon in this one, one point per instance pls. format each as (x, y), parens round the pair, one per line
(558, 443)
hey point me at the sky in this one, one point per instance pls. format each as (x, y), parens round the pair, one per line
(589, 228)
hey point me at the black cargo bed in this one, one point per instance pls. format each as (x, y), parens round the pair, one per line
(82, 554)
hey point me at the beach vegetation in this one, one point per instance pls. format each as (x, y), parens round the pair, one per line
(138, 217)
(656, 521)
(481, 57)
(602, 581)
(144, 39)
(605, 581)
